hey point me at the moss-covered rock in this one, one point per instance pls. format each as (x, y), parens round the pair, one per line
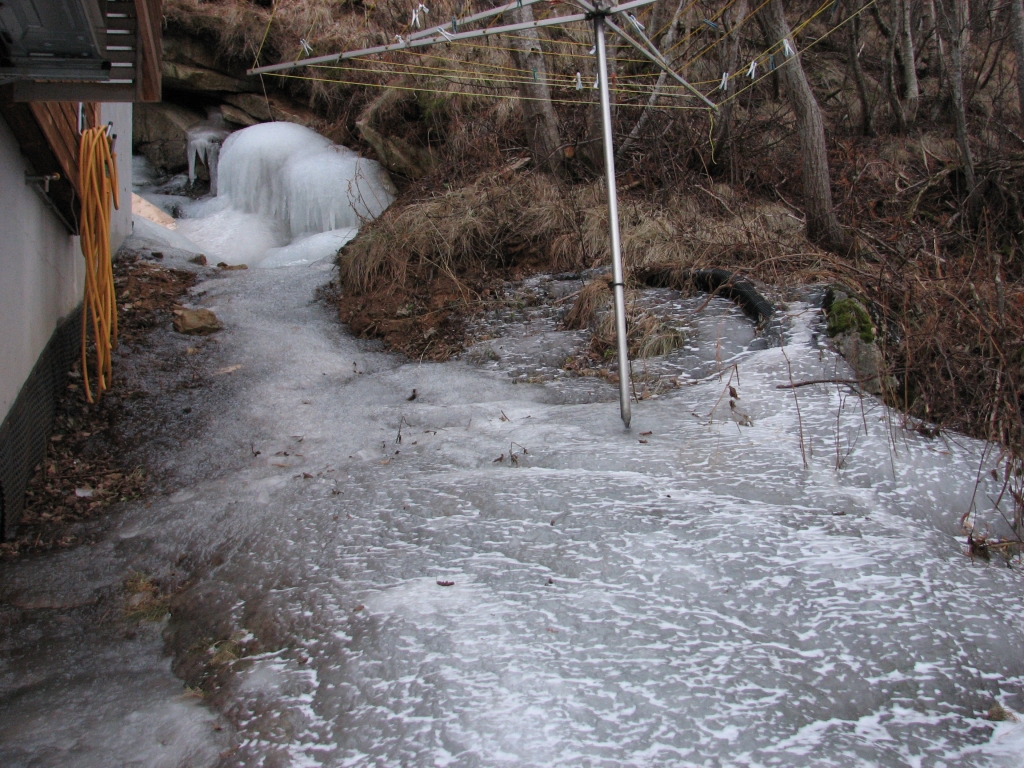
(849, 316)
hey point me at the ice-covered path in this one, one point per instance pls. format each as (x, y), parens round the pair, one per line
(691, 596)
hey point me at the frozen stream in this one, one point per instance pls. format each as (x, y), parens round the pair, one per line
(692, 596)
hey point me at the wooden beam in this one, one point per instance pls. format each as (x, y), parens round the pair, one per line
(25, 91)
(149, 49)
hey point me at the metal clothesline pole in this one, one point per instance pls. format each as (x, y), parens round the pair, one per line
(599, 12)
(618, 285)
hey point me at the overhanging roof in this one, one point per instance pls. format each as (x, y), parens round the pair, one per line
(81, 50)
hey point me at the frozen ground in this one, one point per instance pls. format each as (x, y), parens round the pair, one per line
(692, 596)
(444, 564)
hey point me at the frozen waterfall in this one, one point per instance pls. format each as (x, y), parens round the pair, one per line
(286, 192)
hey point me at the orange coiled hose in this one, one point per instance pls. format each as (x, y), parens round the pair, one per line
(97, 182)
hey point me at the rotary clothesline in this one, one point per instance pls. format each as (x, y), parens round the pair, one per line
(600, 16)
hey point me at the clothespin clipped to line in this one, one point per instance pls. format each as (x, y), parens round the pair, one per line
(455, 25)
(752, 70)
(306, 47)
(579, 81)
(639, 27)
(787, 48)
(416, 15)
(593, 50)
(399, 39)
(597, 81)
(724, 85)
(709, 24)
(771, 62)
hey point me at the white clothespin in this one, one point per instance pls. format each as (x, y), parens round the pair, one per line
(724, 85)
(787, 48)
(597, 81)
(399, 39)
(640, 27)
(416, 14)
(579, 81)
(445, 35)
(593, 50)
(752, 71)
(306, 48)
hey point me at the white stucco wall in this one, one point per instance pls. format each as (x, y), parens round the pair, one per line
(41, 267)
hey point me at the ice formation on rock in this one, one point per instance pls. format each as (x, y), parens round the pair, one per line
(300, 184)
(204, 145)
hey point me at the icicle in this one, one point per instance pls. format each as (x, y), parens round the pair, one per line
(787, 48)
(724, 85)
(752, 71)
(579, 81)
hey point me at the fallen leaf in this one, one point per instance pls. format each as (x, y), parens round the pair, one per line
(229, 369)
(445, 583)
(644, 442)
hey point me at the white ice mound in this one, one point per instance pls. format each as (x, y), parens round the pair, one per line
(298, 184)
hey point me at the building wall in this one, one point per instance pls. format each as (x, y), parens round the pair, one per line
(41, 266)
(42, 275)
(121, 220)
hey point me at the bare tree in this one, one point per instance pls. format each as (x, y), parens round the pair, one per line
(541, 122)
(731, 20)
(822, 225)
(1017, 25)
(867, 112)
(953, 20)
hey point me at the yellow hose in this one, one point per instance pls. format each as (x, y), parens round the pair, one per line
(97, 177)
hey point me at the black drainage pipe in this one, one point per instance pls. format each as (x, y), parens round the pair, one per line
(720, 281)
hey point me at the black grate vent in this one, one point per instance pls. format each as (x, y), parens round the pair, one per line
(27, 426)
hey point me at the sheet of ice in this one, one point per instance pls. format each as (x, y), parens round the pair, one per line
(154, 233)
(309, 249)
(232, 236)
(685, 593)
(279, 183)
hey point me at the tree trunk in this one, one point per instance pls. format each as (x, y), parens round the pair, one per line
(911, 91)
(1017, 24)
(730, 62)
(539, 117)
(867, 121)
(822, 224)
(952, 24)
(669, 40)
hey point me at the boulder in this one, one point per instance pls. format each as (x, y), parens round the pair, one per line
(236, 116)
(160, 132)
(186, 77)
(265, 109)
(195, 322)
(382, 127)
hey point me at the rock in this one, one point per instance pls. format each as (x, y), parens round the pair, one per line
(185, 77)
(199, 259)
(235, 116)
(867, 362)
(160, 132)
(380, 124)
(268, 108)
(196, 322)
